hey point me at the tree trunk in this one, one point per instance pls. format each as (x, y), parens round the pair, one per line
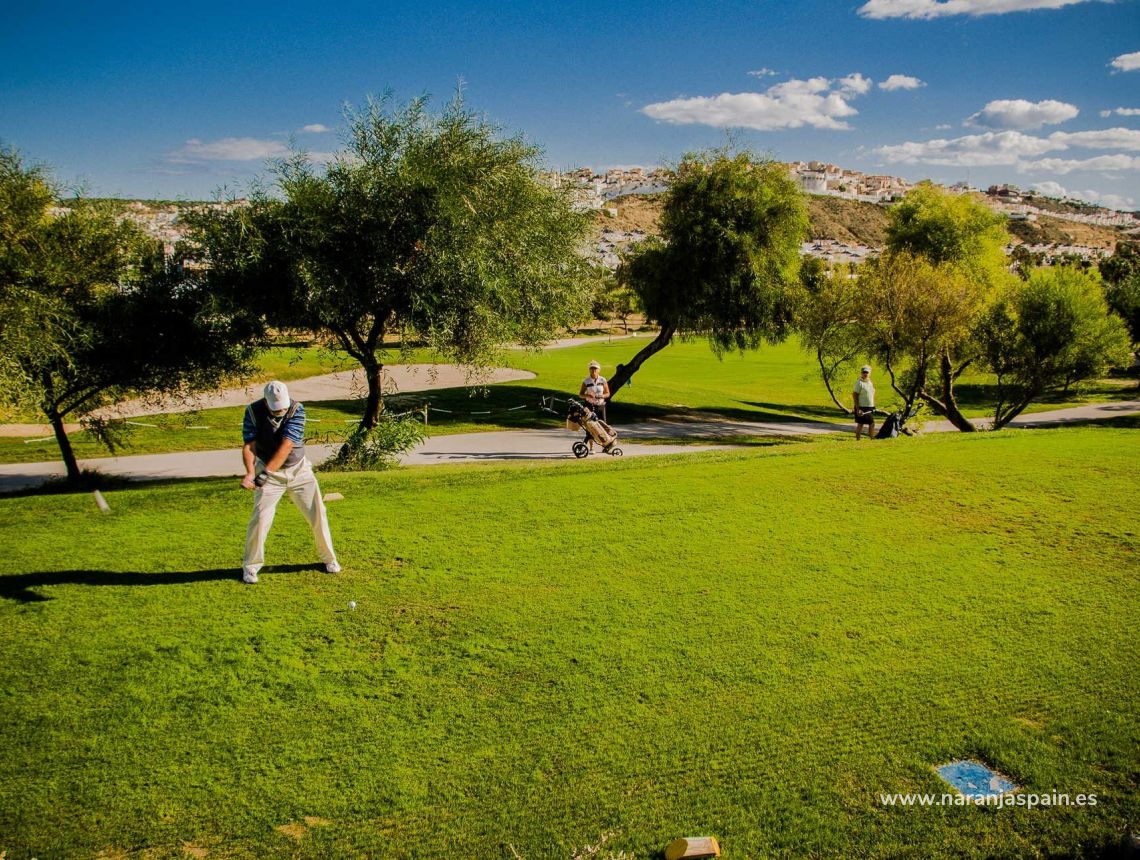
(949, 404)
(64, 445)
(1001, 419)
(826, 374)
(626, 371)
(374, 373)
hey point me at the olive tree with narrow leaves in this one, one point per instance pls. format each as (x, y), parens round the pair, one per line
(429, 228)
(726, 264)
(963, 242)
(1046, 333)
(91, 313)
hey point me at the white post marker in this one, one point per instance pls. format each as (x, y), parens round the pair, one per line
(102, 503)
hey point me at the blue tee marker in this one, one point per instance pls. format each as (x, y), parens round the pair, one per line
(974, 779)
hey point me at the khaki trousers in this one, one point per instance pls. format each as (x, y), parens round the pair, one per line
(301, 485)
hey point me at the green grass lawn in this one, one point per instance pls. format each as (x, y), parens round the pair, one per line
(776, 383)
(752, 644)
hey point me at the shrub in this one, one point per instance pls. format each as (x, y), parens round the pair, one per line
(372, 449)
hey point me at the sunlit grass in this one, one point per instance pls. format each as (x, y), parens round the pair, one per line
(748, 644)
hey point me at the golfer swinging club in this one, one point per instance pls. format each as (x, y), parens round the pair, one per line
(273, 432)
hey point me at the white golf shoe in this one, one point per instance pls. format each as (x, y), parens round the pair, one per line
(332, 567)
(249, 577)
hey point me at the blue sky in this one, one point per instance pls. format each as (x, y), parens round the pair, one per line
(178, 100)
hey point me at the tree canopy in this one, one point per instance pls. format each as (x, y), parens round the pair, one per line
(429, 228)
(1047, 332)
(728, 259)
(964, 243)
(92, 313)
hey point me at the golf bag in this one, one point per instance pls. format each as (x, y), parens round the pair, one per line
(895, 423)
(581, 417)
(889, 429)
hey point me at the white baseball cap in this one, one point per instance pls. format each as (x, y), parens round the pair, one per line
(865, 369)
(595, 364)
(277, 396)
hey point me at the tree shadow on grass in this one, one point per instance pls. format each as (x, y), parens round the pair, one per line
(802, 412)
(93, 479)
(19, 587)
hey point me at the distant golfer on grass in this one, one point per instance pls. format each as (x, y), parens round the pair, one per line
(864, 397)
(275, 463)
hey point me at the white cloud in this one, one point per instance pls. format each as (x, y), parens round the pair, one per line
(315, 128)
(1104, 138)
(817, 102)
(942, 126)
(855, 84)
(1112, 201)
(764, 73)
(1061, 166)
(928, 9)
(1127, 62)
(229, 149)
(1105, 113)
(1056, 189)
(1050, 188)
(1021, 114)
(1013, 148)
(991, 148)
(1121, 112)
(901, 82)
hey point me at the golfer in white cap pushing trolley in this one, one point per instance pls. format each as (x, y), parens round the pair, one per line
(273, 433)
(596, 390)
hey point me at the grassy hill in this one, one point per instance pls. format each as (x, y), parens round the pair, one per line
(753, 645)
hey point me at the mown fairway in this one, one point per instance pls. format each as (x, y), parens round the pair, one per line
(753, 645)
(777, 383)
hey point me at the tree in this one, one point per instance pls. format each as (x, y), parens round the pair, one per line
(909, 313)
(964, 242)
(1046, 333)
(92, 314)
(1124, 299)
(1122, 265)
(1025, 261)
(30, 322)
(827, 320)
(728, 258)
(1121, 273)
(624, 304)
(430, 228)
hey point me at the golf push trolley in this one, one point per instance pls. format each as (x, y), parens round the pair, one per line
(582, 417)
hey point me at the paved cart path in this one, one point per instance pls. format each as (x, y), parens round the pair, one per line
(512, 445)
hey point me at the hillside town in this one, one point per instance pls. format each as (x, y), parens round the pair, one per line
(601, 191)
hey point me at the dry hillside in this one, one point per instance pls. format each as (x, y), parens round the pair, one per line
(861, 223)
(847, 220)
(634, 212)
(1057, 231)
(831, 218)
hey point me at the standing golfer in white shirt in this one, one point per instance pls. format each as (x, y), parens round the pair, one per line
(273, 433)
(863, 395)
